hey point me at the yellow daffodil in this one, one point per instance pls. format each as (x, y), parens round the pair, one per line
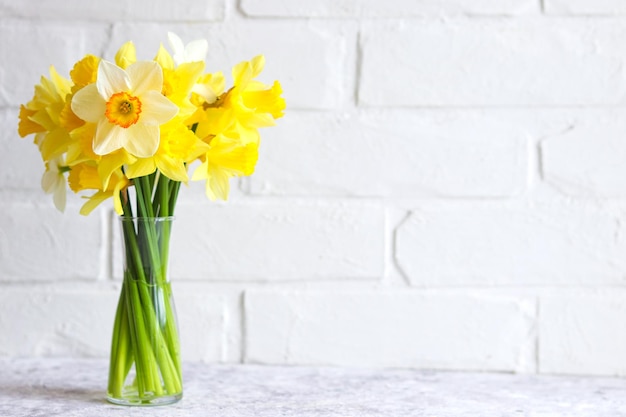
(243, 109)
(127, 106)
(214, 121)
(178, 147)
(208, 89)
(85, 176)
(110, 163)
(51, 92)
(42, 116)
(255, 104)
(80, 148)
(178, 85)
(67, 119)
(26, 125)
(226, 158)
(84, 72)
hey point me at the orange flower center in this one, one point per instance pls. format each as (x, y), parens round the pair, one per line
(123, 109)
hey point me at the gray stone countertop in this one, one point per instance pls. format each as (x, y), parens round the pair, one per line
(71, 387)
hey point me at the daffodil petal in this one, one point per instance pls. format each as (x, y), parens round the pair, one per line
(201, 172)
(257, 120)
(55, 144)
(206, 92)
(218, 186)
(196, 50)
(142, 140)
(175, 42)
(88, 104)
(242, 74)
(164, 59)
(126, 55)
(53, 182)
(26, 125)
(258, 63)
(111, 79)
(172, 168)
(63, 85)
(59, 196)
(140, 168)
(145, 76)
(117, 199)
(189, 74)
(108, 138)
(93, 202)
(156, 108)
(48, 180)
(110, 164)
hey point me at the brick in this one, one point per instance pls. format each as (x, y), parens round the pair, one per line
(41, 244)
(387, 328)
(330, 45)
(583, 333)
(202, 324)
(21, 162)
(117, 10)
(586, 159)
(480, 62)
(471, 245)
(584, 7)
(30, 50)
(275, 242)
(50, 323)
(376, 9)
(394, 154)
(79, 322)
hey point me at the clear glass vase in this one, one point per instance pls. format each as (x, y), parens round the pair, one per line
(145, 366)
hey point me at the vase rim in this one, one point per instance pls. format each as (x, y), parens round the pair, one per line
(144, 218)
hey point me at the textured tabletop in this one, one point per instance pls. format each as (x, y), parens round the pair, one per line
(55, 387)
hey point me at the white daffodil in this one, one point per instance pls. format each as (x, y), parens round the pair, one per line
(127, 106)
(53, 182)
(194, 51)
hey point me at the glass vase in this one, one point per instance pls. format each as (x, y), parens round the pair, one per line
(145, 367)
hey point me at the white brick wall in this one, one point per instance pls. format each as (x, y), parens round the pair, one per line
(447, 189)
(585, 7)
(499, 245)
(493, 62)
(388, 328)
(408, 154)
(583, 333)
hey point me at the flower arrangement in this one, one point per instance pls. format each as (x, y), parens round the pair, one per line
(140, 123)
(131, 131)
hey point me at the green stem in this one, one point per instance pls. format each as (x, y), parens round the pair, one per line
(147, 372)
(145, 330)
(174, 188)
(120, 349)
(168, 196)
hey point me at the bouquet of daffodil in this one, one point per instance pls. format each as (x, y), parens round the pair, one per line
(131, 131)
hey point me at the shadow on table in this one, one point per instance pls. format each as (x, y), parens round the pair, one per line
(48, 393)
